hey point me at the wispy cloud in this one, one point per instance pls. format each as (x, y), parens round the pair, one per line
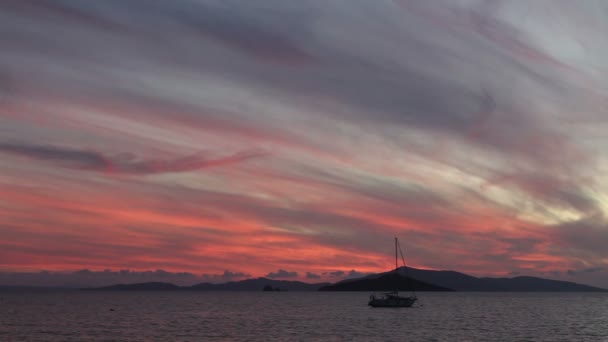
(123, 163)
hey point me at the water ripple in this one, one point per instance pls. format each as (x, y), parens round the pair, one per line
(300, 316)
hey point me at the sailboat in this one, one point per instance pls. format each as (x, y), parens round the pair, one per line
(393, 299)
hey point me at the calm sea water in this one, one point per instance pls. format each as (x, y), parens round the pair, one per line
(300, 316)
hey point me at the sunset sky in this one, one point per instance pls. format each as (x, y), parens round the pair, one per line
(219, 140)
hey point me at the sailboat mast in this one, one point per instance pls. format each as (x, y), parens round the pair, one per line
(396, 265)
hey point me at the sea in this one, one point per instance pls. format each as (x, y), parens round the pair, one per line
(300, 316)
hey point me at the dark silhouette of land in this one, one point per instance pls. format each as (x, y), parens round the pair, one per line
(384, 282)
(464, 282)
(18, 288)
(152, 286)
(403, 280)
(456, 281)
(269, 288)
(257, 284)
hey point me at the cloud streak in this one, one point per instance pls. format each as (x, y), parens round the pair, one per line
(123, 163)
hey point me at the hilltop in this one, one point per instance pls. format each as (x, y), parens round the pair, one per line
(431, 280)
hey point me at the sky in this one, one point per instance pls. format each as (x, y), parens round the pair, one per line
(220, 140)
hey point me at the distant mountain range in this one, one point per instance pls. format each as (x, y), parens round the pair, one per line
(464, 282)
(256, 284)
(259, 284)
(152, 286)
(17, 288)
(454, 281)
(405, 278)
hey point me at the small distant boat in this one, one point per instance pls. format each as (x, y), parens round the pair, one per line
(393, 299)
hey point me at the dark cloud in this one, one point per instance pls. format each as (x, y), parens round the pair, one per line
(73, 157)
(555, 273)
(585, 270)
(122, 163)
(334, 274)
(224, 277)
(345, 275)
(355, 274)
(247, 33)
(5, 86)
(585, 239)
(281, 273)
(310, 275)
(518, 246)
(245, 30)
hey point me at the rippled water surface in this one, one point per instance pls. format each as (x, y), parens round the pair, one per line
(300, 316)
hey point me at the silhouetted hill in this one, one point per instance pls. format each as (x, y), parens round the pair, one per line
(405, 279)
(384, 282)
(153, 286)
(534, 284)
(17, 288)
(463, 282)
(450, 279)
(244, 285)
(257, 285)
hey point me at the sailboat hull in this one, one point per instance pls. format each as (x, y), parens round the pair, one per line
(392, 301)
